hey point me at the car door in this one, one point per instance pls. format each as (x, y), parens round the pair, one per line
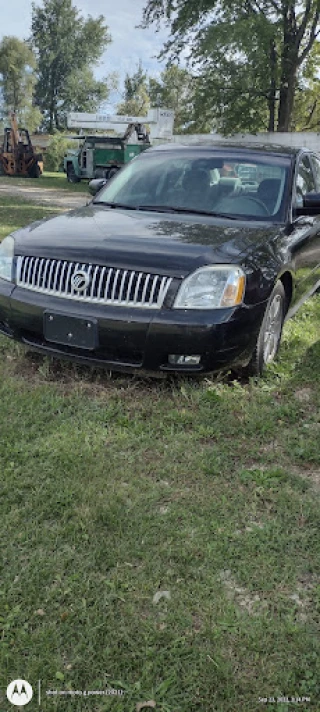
(305, 246)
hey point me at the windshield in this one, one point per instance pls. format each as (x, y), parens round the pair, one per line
(211, 183)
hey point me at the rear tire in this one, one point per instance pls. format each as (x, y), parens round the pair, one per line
(71, 174)
(112, 172)
(35, 171)
(100, 173)
(269, 338)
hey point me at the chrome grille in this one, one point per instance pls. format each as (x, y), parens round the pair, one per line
(107, 285)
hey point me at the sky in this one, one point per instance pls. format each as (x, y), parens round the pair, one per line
(128, 46)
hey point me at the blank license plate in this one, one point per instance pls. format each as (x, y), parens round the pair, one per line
(70, 330)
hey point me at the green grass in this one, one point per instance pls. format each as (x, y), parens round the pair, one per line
(59, 180)
(48, 180)
(114, 488)
(16, 212)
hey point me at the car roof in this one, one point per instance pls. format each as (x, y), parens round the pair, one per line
(239, 147)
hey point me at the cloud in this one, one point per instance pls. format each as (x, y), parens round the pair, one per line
(130, 44)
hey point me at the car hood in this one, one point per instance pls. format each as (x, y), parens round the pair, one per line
(153, 242)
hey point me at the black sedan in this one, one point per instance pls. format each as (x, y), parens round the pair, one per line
(189, 260)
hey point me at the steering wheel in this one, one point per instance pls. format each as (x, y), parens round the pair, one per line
(258, 202)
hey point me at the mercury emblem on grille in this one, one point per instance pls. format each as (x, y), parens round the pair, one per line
(80, 280)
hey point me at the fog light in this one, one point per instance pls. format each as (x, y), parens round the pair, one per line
(184, 360)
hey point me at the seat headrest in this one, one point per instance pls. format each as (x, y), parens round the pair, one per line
(232, 182)
(196, 179)
(269, 187)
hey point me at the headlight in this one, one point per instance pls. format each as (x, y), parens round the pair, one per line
(211, 287)
(6, 258)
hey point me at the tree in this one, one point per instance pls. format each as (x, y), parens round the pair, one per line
(82, 92)
(237, 86)
(306, 113)
(56, 149)
(175, 90)
(136, 100)
(67, 46)
(17, 81)
(291, 25)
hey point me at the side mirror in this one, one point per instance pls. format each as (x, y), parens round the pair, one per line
(96, 184)
(309, 204)
(312, 200)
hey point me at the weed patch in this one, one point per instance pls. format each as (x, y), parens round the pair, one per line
(160, 537)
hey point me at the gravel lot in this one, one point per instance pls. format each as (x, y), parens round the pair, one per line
(45, 196)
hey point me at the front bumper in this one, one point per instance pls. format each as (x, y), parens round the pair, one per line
(136, 339)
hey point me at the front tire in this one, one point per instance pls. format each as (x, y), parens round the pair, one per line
(35, 171)
(269, 338)
(71, 174)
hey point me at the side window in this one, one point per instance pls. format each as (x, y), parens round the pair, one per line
(305, 180)
(316, 169)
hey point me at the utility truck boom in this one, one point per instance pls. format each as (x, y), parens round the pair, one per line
(101, 155)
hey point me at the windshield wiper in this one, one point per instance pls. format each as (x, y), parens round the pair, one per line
(115, 205)
(169, 209)
(158, 208)
(190, 211)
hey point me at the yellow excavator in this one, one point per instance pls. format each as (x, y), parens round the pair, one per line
(17, 155)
